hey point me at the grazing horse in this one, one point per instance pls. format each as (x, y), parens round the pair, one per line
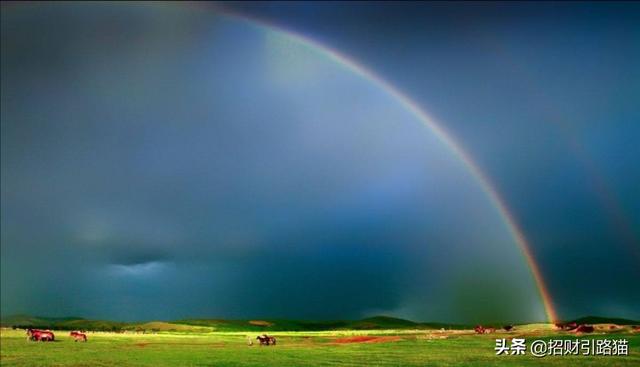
(45, 336)
(78, 336)
(266, 340)
(40, 335)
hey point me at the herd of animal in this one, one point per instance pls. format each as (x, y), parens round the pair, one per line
(570, 326)
(488, 330)
(37, 335)
(264, 339)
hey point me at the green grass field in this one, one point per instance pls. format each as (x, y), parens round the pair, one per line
(324, 348)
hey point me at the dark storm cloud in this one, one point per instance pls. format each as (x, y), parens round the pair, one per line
(174, 157)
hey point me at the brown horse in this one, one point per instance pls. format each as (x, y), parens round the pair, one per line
(78, 336)
(40, 335)
(266, 340)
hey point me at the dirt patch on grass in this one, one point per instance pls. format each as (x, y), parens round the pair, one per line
(367, 339)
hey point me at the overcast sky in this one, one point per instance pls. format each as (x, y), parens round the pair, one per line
(170, 161)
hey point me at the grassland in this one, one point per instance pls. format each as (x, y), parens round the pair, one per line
(203, 325)
(400, 347)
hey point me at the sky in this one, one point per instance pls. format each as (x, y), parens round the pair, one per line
(164, 161)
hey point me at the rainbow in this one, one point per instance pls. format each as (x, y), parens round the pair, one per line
(433, 125)
(440, 132)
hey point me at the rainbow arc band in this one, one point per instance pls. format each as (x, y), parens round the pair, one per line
(411, 106)
(436, 128)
